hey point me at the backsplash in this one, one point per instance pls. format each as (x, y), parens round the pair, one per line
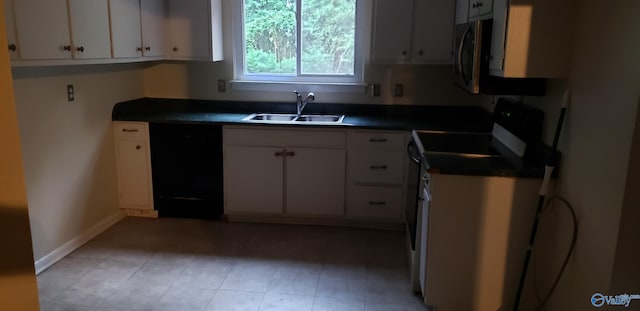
(423, 85)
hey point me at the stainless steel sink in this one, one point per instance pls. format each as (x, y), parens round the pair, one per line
(320, 118)
(274, 117)
(294, 119)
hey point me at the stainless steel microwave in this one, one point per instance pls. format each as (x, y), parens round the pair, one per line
(472, 41)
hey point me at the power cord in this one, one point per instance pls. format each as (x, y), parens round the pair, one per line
(572, 246)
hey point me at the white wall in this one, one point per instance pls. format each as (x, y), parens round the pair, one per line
(18, 286)
(423, 85)
(67, 147)
(596, 145)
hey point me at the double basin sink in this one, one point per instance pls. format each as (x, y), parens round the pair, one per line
(285, 118)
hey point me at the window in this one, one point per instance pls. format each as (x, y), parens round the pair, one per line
(298, 41)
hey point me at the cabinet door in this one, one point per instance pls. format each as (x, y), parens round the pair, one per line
(315, 181)
(125, 28)
(154, 27)
(498, 36)
(90, 28)
(480, 7)
(462, 11)
(134, 174)
(43, 29)
(253, 179)
(11, 29)
(190, 29)
(392, 31)
(433, 31)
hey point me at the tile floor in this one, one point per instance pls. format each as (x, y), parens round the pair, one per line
(185, 264)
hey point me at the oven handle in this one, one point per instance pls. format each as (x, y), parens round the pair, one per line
(411, 148)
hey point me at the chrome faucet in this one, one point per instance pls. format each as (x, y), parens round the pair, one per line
(300, 103)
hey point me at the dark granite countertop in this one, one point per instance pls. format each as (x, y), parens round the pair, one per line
(386, 117)
(461, 119)
(479, 155)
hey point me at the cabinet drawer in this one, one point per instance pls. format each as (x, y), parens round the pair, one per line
(375, 202)
(285, 137)
(131, 129)
(377, 140)
(376, 166)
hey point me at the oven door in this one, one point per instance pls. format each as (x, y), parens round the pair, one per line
(413, 190)
(468, 56)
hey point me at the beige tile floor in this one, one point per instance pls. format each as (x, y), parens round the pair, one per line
(185, 264)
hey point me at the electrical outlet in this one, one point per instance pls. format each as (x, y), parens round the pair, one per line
(70, 93)
(375, 90)
(398, 90)
(222, 86)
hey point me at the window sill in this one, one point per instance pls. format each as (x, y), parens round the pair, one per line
(271, 86)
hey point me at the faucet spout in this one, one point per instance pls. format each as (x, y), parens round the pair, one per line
(300, 103)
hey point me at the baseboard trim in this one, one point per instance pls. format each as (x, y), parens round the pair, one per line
(56, 255)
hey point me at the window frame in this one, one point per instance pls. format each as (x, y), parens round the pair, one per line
(361, 49)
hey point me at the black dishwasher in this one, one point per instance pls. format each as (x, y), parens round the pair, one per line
(186, 167)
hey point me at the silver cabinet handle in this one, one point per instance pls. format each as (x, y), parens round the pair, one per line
(378, 140)
(378, 167)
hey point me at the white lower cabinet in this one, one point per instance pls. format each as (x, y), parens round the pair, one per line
(315, 181)
(382, 203)
(284, 171)
(253, 179)
(133, 162)
(376, 175)
(478, 231)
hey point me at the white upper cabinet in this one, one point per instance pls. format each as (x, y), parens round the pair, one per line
(409, 31)
(531, 39)
(125, 28)
(392, 31)
(43, 29)
(12, 40)
(139, 28)
(480, 9)
(433, 31)
(153, 17)
(89, 21)
(60, 29)
(195, 28)
(462, 11)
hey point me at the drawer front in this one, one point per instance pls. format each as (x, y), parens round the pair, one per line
(285, 137)
(368, 166)
(377, 140)
(131, 129)
(382, 203)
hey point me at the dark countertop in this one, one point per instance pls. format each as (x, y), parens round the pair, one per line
(386, 117)
(479, 155)
(383, 117)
